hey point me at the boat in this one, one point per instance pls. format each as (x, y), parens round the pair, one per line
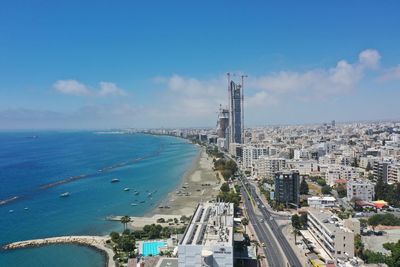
(134, 204)
(115, 180)
(26, 208)
(66, 194)
(136, 193)
(149, 194)
(11, 211)
(127, 189)
(142, 201)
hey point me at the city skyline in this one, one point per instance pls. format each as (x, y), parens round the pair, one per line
(81, 66)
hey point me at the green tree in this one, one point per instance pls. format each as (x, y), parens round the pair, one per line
(225, 188)
(296, 232)
(125, 220)
(321, 182)
(114, 236)
(303, 220)
(341, 190)
(358, 246)
(303, 187)
(296, 222)
(326, 190)
(245, 222)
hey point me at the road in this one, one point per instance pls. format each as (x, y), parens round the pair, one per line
(271, 250)
(266, 234)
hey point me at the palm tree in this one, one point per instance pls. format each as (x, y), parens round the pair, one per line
(125, 220)
(259, 259)
(245, 222)
(296, 232)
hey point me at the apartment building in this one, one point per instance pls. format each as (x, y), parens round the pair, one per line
(331, 234)
(266, 167)
(287, 187)
(361, 189)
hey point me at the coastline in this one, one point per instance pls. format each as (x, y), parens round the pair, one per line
(95, 242)
(198, 184)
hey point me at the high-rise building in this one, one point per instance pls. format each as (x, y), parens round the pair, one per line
(235, 112)
(223, 122)
(287, 187)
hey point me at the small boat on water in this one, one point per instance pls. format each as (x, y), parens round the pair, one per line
(127, 189)
(142, 201)
(136, 193)
(115, 180)
(26, 208)
(66, 194)
(11, 211)
(134, 204)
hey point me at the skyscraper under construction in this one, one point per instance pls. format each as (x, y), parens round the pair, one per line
(236, 118)
(223, 122)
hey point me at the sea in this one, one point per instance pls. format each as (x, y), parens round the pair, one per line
(37, 167)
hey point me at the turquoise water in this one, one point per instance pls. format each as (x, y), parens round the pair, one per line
(27, 165)
(152, 248)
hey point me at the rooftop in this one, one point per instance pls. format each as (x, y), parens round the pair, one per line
(329, 220)
(212, 223)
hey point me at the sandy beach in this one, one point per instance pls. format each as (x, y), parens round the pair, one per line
(199, 184)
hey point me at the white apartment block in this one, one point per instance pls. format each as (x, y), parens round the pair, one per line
(321, 202)
(266, 167)
(301, 154)
(251, 154)
(335, 172)
(305, 167)
(329, 231)
(208, 240)
(368, 159)
(360, 188)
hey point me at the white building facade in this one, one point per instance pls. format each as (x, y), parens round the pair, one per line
(208, 240)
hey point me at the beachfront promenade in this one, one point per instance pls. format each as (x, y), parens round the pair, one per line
(98, 242)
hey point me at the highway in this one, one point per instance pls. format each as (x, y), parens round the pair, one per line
(271, 249)
(273, 253)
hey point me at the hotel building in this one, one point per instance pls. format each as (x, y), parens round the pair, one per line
(208, 240)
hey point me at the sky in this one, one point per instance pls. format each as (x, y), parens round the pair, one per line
(116, 64)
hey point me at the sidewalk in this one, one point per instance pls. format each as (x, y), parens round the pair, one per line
(287, 231)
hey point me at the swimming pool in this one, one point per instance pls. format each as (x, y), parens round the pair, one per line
(152, 248)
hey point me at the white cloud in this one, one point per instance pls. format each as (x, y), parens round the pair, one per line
(369, 58)
(74, 87)
(259, 100)
(390, 74)
(192, 99)
(107, 88)
(319, 83)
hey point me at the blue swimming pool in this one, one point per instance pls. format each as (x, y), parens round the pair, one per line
(153, 248)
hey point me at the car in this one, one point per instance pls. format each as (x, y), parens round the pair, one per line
(263, 245)
(261, 220)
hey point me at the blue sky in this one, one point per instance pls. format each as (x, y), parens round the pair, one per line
(106, 64)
